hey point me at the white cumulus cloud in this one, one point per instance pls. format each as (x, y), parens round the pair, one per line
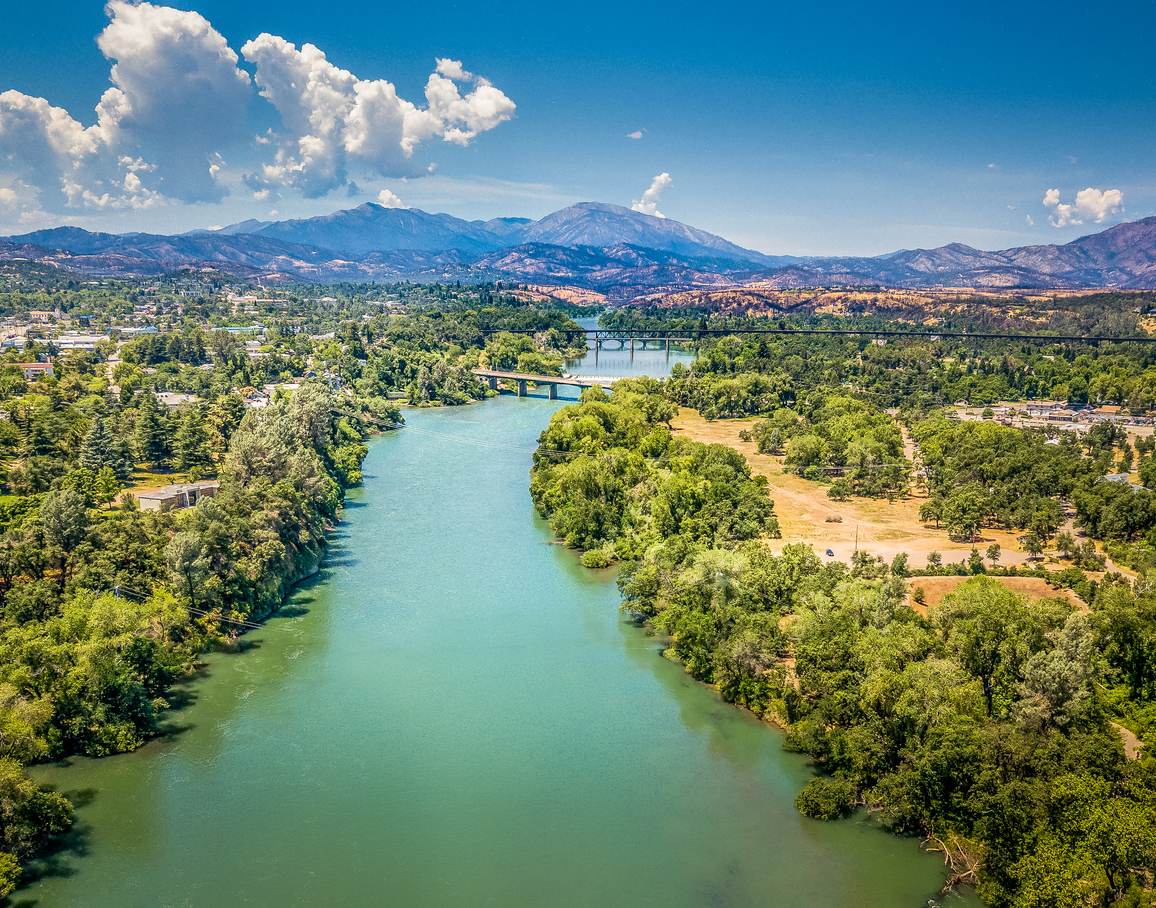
(637, 134)
(648, 204)
(177, 96)
(1031, 223)
(388, 199)
(179, 100)
(1090, 205)
(335, 119)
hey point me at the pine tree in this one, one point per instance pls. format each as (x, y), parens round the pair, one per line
(225, 417)
(98, 446)
(190, 446)
(103, 448)
(151, 439)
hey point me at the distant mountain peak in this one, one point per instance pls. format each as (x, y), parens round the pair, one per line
(596, 244)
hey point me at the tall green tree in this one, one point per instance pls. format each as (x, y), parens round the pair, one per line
(191, 443)
(150, 431)
(65, 519)
(224, 417)
(187, 562)
(991, 632)
(102, 448)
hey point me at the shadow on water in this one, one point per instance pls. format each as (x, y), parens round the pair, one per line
(701, 710)
(56, 860)
(181, 696)
(238, 647)
(341, 560)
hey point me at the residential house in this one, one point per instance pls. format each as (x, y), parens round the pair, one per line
(35, 371)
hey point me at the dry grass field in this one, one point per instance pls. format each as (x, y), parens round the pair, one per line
(935, 588)
(881, 527)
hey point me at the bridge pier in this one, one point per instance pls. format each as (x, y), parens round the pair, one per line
(553, 392)
(493, 384)
(632, 346)
(668, 346)
(521, 387)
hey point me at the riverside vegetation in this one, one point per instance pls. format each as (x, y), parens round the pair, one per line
(985, 726)
(102, 606)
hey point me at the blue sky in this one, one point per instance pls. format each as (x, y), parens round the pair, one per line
(797, 129)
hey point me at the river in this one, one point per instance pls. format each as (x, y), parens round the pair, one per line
(454, 713)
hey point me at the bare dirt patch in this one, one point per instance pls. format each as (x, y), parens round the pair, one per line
(1132, 744)
(1035, 588)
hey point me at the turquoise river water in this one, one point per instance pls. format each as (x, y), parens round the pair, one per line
(455, 713)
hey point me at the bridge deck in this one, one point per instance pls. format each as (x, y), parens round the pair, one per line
(578, 381)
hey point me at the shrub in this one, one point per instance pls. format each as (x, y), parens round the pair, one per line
(919, 595)
(826, 798)
(595, 558)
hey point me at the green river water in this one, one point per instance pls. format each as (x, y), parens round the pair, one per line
(454, 713)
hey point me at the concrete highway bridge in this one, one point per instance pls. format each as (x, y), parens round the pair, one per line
(522, 378)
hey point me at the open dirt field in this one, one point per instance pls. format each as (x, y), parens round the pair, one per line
(802, 507)
(935, 588)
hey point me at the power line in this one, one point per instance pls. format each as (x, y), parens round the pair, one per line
(142, 597)
(671, 333)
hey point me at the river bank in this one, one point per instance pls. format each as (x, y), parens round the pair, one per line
(453, 711)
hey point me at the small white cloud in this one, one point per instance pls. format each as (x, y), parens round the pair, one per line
(1071, 159)
(8, 197)
(1031, 223)
(637, 134)
(1011, 207)
(993, 167)
(648, 204)
(273, 213)
(1091, 204)
(387, 199)
(262, 195)
(452, 69)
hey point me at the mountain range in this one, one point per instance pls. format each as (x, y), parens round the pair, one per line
(600, 246)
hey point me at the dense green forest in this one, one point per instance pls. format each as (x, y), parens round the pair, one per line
(919, 371)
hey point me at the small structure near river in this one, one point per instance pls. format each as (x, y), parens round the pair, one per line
(185, 495)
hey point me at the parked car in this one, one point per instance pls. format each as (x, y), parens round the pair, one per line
(830, 554)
